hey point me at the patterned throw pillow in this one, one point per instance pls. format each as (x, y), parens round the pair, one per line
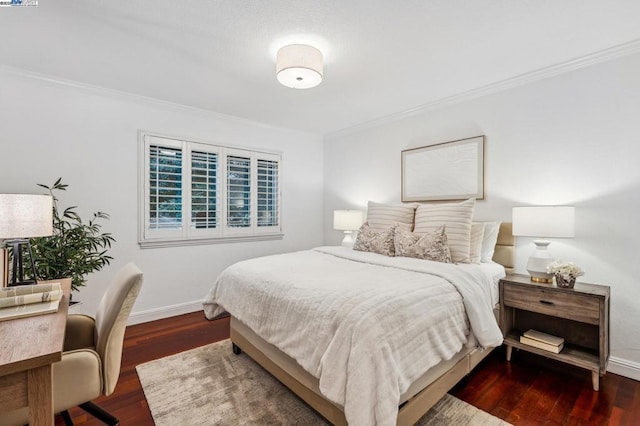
(375, 242)
(431, 246)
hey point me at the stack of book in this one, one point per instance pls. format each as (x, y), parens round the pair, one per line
(27, 300)
(542, 340)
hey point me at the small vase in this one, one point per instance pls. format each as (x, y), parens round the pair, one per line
(565, 283)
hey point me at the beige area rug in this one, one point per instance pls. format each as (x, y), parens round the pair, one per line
(212, 386)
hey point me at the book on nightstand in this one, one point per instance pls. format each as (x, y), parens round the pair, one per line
(542, 340)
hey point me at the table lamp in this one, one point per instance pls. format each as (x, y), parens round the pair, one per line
(543, 222)
(23, 216)
(347, 221)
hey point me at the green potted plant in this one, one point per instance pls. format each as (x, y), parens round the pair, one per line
(75, 249)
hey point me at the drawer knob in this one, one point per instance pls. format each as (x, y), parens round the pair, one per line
(546, 302)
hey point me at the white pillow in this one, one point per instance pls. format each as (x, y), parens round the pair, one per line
(457, 219)
(489, 241)
(381, 216)
(477, 232)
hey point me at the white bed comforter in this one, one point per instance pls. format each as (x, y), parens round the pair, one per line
(365, 325)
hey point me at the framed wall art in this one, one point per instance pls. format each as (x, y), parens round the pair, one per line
(445, 171)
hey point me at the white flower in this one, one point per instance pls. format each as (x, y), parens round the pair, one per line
(567, 270)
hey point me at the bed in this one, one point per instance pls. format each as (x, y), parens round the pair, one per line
(380, 364)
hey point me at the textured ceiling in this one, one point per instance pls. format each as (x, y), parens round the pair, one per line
(381, 57)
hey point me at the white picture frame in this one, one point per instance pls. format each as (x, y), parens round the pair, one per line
(445, 171)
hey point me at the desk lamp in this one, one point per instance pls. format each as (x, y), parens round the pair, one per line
(23, 216)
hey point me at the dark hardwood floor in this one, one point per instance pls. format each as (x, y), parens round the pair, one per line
(529, 390)
(533, 390)
(146, 342)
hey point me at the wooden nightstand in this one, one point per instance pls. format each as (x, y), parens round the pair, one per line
(580, 315)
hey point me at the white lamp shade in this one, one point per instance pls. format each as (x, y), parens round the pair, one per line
(25, 216)
(348, 220)
(299, 66)
(544, 221)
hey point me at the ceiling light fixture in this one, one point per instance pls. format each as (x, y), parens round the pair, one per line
(299, 66)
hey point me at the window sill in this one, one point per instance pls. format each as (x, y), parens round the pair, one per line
(147, 244)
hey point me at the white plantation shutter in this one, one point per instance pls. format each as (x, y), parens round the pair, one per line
(196, 193)
(162, 205)
(238, 192)
(204, 190)
(268, 193)
(165, 187)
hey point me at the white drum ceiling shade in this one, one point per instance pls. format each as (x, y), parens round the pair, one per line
(299, 66)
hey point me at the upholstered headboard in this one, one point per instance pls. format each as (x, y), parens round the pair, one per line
(505, 252)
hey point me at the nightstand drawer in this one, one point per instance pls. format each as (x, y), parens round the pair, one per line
(577, 307)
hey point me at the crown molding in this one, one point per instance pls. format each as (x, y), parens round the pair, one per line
(601, 56)
(132, 97)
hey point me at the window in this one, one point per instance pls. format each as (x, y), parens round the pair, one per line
(238, 192)
(204, 189)
(196, 193)
(268, 199)
(165, 187)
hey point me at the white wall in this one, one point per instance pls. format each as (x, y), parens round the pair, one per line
(568, 140)
(89, 137)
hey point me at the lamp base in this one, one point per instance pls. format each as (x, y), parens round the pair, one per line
(17, 267)
(348, 239)
(538, 262)
(542, 280)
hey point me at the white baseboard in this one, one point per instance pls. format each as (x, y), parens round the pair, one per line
(164, 312)
(616, 365)
(624, 368)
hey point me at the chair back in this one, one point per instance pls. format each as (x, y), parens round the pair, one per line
(111, 321)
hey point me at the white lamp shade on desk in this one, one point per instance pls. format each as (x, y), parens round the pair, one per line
(543, 222)
(348, 221)
(25, 216)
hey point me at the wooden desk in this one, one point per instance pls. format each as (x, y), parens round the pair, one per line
(28, 348)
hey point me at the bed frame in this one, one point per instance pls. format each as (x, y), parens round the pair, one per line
(413, 406)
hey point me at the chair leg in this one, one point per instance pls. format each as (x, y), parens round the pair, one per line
(99, 413)
(67, 418)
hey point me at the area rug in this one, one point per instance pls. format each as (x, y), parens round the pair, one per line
(210, 385)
